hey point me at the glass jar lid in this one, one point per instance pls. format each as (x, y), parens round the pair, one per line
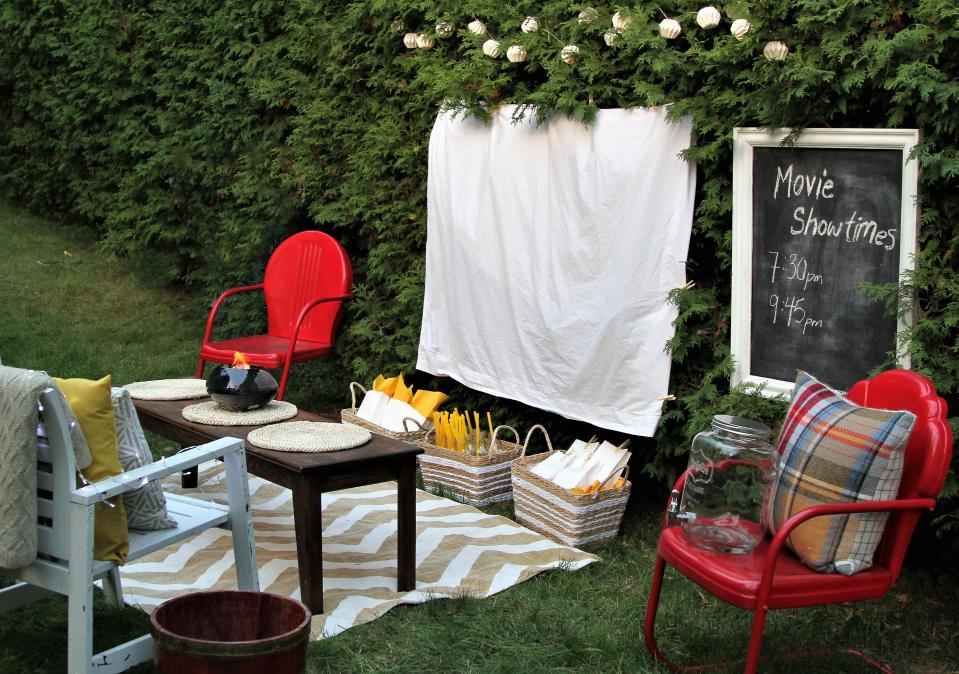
(742, 427)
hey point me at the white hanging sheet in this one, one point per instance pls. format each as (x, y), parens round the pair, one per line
(550, 253)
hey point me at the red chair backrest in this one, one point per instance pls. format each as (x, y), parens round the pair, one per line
(307, 266)
(928, 453)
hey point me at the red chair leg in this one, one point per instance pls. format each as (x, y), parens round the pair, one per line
(878, 665)
(756, 644)
(199, 369)
(649, 626)
(755, 641)
(865, 657)
(286, 373)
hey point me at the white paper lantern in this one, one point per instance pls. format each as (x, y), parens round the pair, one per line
(739, 29)
(569, 53)
(708, 17)
(516, 53)
(409, 40)
(588, 15)
(491, 48)
(424, 41)
(444, 29)
(621, 21)
(477, 27)
(530, 24)
(670, 28)
(775, 50)
(610, 37)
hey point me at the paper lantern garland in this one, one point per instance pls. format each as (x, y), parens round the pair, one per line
(707, 17)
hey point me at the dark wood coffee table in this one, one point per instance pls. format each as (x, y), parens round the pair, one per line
(308, 475)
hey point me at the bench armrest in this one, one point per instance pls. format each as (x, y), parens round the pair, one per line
(124, 482)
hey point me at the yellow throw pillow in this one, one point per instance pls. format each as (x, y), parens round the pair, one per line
(91, 404)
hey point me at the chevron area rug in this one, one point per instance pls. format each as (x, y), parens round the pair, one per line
(459, 551)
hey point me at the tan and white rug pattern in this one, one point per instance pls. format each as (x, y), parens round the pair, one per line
(459, 551)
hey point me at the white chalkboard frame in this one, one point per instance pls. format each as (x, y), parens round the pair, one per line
(744, 140)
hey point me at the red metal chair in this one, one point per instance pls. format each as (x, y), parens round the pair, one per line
(772, 578)
(306, 283)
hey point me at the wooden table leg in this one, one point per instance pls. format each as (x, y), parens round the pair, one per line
(190, 477)
(406, 526)
(308, 522)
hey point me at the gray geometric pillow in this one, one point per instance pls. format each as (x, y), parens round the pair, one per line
(146, 505)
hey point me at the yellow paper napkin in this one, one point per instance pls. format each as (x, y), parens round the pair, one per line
(426, 402)
(403, 393)
(385, 386)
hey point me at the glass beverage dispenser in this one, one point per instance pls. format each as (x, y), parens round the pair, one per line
(730, 468)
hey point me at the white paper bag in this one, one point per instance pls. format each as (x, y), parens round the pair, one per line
(578, 464)
(605, 461)
(396, 412)
(373, 406)
(548, 467)
(607, 458)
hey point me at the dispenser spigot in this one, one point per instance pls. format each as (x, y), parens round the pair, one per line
(673, 514)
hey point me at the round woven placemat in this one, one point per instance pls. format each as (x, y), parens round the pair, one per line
(308, 436)
(213, 415)
(168, 389)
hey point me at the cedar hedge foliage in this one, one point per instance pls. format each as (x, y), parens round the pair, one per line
(194, 136)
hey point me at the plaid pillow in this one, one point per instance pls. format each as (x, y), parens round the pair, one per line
(834, 451)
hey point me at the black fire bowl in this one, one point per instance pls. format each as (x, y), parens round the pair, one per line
(240, 389)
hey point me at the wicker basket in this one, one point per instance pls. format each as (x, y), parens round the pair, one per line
(573, 519)
(476, 480)
(349, 417)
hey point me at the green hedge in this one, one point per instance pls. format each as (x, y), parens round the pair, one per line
(196, 135)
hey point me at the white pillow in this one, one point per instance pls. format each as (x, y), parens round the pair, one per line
(146, 505)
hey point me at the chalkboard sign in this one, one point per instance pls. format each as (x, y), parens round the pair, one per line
(812, 221)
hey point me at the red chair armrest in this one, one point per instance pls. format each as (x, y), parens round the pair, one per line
(775, 546)
(219, 301)
(307, 309)
(848, 508)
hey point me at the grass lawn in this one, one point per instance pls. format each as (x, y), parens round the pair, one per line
(75, 314)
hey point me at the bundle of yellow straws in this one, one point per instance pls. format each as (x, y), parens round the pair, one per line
(458, 432)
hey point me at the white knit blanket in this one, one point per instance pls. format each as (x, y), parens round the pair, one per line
(19, 392)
